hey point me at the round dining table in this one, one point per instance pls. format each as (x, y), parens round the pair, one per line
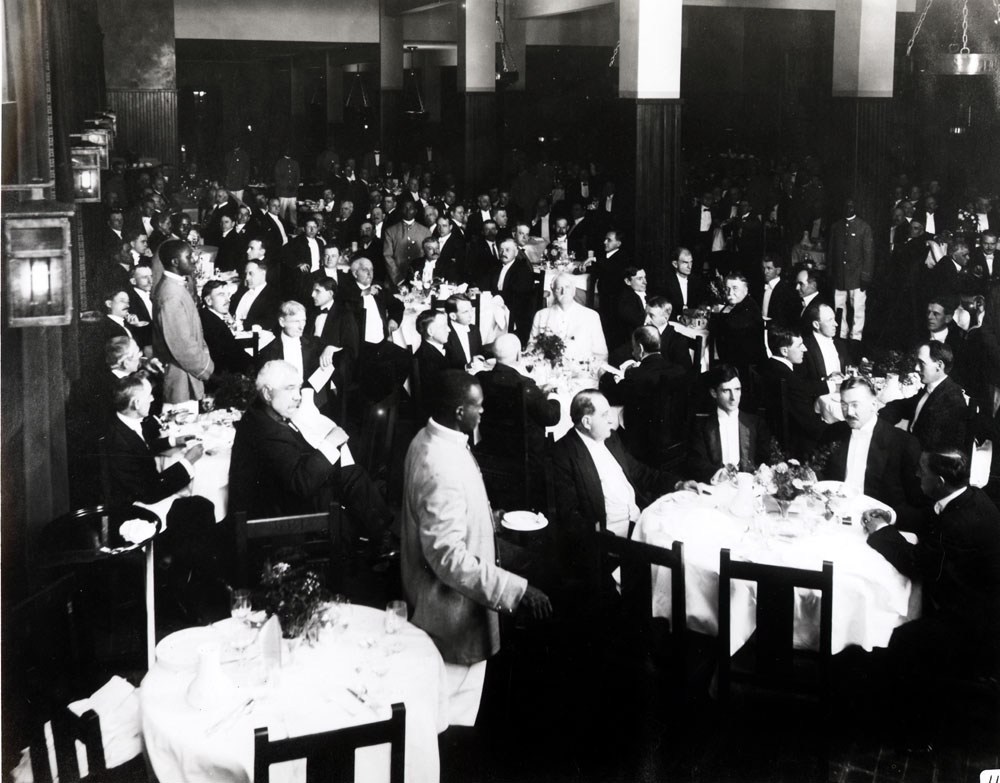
(352, 675)
(870, 597)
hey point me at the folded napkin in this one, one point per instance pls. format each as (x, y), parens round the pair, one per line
(270, 642)
(135, 531)
(190, 407)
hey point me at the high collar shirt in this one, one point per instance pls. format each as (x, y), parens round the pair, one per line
(857, 455)
(619, 495)
(729, 436)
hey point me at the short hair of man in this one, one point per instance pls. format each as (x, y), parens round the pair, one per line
(209, 288)
(450, 391)
(451, 303)
(812, 312)
(811, 276)
(326, 282)
(359, 261)
(951, 465)
(291, 307)
(170, 251)
(333, 244)
(618, 232)
(131, 234)
(582, 405)
(858, 382)
(428, 241)
(946, 301)
(659, 302)
(779, 337)
(775, 258)
(424, 321)
(677, 252)
(939, 352)
(736, 276)
(115, 349)
(647, 338)
(260, 262)
(125, 389)
(271, 372)
(630, 272)
(957, 243)
(721, 374)
(112, 291)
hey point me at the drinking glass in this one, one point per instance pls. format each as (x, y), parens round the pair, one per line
(239, 605)
(342, 610)
(395, 616)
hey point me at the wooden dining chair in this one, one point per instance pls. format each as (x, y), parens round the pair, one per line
(329, 755)
(769, 659)
(328, 537)
(538, 291)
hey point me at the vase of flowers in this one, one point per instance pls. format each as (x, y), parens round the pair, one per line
(296, 597)
(551, 346)
(786, 481)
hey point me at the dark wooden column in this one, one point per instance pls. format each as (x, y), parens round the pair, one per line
(390, 111)
(657, 147)
(480, 140)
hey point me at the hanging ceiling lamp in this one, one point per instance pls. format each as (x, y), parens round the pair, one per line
(357, 96)
(413, 102)
(507, 73)
(960, 59)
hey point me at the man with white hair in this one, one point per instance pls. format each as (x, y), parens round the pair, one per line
(275, 470)
(578, 326)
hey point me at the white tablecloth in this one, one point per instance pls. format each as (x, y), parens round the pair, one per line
(493, 321)
(568, 382)
(309, 695)
(870, 597)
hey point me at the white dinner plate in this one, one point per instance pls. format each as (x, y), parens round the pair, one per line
(523, 521)
(836, 488)
(178, 652)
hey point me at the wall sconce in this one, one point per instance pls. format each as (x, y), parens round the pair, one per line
(99, 137)
(103, 126)
(378, 157)
(430, 153)
(38, 264)
(86, 164)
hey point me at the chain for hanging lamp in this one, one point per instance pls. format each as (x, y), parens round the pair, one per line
(920, 23)
(614, 54)
(507, 68)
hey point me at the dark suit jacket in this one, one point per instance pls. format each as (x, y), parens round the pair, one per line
(272, 234)
(137, 307)
(349, 315)
(453, 348)
(805, 427)
(227, 354)
(942, 421)
(451, 270)
(645, 392)
(814, 368)
(609, 274)
(518, 294)
(274, 471)
(629, 315)
(697, 292)
(542, 412)
(481, 262)
(296, 284)
(431, 363)
(232, 251)
(452, 257)
(739, 334)
(705, 446)
(785, 305)
(957, 560)
(311, 349)
(891, 470)
(580, 499)
(213, 220)
(263, 312)
(132, 465)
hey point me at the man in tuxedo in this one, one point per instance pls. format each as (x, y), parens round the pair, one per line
(737, 330)
(161, 231)
(515, 282)
(256, 303)
(727, 436)
(344, 228)
(599, 486)
(931, 218)
(872, 456)
(957, 561)
(826, 355)
(779, 304)
(431, 357)
(302, 257)
(464, 340)
(402, 244)
(851, 259)
(941, 326)
(805, 427)
(111, 239)
(224, 205)
(609, 276)
(542, 407)
(542, 223)
(451, 245)
(232, 250)
(673, 346)
(276, 231)
(684, 288)
(643, 388)
(141, 307)
(938, 413)
(227, 354)
(294, 346)
(807, 287)
(578, 236)
(630, 313)
(478, 216)
(276, 471)
(953, 275)
(484, 255)
(532, 248)
(178, 339)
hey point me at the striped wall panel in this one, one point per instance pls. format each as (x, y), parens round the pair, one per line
(147, 122)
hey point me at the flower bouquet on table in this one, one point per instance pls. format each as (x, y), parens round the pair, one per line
(695, 317)
(785, 481)
(297, 598)
(550, 346)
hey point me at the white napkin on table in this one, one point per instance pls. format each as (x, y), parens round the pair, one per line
(135, 531)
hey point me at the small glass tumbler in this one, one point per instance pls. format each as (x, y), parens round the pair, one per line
(395, 616)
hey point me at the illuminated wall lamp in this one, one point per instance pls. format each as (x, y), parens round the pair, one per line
(86, 165)
(38, 264)
(99, 137)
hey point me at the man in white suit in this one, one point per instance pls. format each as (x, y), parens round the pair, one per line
(450, 576)
(178, 340)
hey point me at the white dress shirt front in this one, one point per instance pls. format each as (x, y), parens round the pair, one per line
(243, 308)
(768, 290)
(292, 349)
(729, 436)
(374, 332)
(462, 333)
(857, 455)
(619, 495)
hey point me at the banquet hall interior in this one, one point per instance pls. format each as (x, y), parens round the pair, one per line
(752, 135)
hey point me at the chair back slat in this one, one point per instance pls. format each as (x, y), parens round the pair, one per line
(331, 750)
(247, 530)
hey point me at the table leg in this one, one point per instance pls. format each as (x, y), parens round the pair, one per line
(150, 578)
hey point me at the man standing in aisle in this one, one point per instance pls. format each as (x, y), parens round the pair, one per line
(852, 263)
(178, 340)
(286, 188)
(450, 577)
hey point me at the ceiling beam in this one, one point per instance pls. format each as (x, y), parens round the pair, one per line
(402, 7)
(533, 9)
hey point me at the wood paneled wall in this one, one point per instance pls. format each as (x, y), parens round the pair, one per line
(480, 140)
(147, 122)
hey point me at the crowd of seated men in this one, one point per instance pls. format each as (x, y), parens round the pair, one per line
(796, 291)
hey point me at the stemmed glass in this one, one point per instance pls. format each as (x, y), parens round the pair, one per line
(239, 606)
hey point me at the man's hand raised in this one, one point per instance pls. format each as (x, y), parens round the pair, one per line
(535, 604)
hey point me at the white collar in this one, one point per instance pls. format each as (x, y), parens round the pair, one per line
(132, 423)
(463, 328)
(116, 319)
(866, 430)
(930, 387)
(409, 223)
(726, 415)
(784, 361)
(440, 431)
(772, 284)
(175, 276)
(943, 502)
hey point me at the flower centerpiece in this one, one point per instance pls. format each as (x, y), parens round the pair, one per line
(551, 346)
(296, 598)
(785, 481)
